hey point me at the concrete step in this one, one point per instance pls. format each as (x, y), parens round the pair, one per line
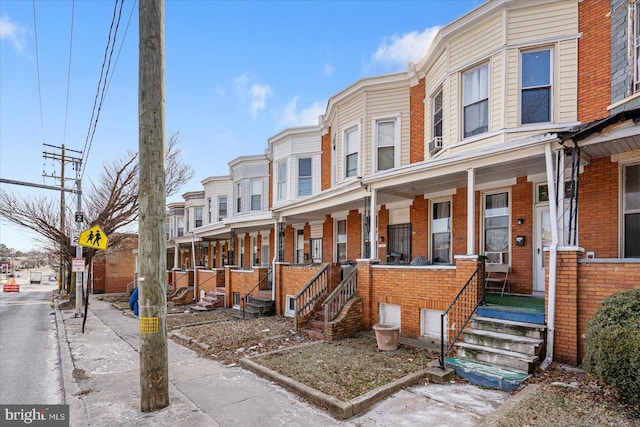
(485, 375)
(511, 360)
(316, 324)
(511, 327)
(515, 343)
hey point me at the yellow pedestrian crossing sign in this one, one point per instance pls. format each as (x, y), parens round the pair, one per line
(94, 237)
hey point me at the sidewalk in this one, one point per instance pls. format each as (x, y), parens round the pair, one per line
(102, 387)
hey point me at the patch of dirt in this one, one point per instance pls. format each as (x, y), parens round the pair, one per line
(79, 374)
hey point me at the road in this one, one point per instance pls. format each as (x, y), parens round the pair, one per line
(29, 356)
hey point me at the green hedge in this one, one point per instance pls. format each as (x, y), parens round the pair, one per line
(612, 347)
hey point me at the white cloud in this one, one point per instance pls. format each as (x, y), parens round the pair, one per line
(259, 94)
(13, 32)
(328, 69)
(305, 117)
(399, 50)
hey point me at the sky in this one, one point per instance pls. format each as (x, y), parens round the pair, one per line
(236, 74)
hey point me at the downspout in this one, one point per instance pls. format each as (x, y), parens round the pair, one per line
(553, 254)
(195, 269)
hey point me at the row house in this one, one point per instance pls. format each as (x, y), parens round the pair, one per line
(513, 141)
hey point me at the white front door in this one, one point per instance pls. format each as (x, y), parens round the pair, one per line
(542, 240)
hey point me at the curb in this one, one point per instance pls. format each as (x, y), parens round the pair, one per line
(77, 408)
(336, 407)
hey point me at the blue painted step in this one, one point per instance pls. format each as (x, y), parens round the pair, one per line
(505, 313)
(485, 375)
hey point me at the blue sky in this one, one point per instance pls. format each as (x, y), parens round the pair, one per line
(236, 73)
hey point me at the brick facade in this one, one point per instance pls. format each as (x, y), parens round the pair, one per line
(416, 145)
(419, 214)
(114, 269)
(354, 235)
(348, 323)
(325, 178)
(521, 275)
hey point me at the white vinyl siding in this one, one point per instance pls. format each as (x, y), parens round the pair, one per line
(542, 22)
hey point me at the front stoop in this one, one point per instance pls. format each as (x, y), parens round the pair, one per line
(485, 375)
(315, 328)
(257, 307)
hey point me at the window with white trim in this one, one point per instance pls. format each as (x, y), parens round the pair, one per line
(209, 210)
(636, 48)
(316, 250)
(341, 240)
(535, 86)
(631, 211)
(256, 194)
(351, 152)
(290, 309)
(239, 197)
(475, 100)
(386, 140)
(437, 114)
(441, 232)
(222, 207)
(282, 180)
(197, 213)
(304, 176)
(496, 227)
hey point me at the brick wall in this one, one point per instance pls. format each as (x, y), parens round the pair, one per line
(326, 161)
(247, 250)
(289, 280)
(383, 223)
(595, 64)
(459, 222)
(416, 104)
(289, 243)
(241, 281)
(209, 280)
(521, 275)
(598, 208)
(348, 323)
(115, 268)
(419, 214)
(327, 239)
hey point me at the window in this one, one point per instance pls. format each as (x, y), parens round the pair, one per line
(341, 240)
(636, 48)
(209, 210)
(241, 252)
(299, 246)
(239, 197)
(291, 306)
(496, 227)
(197, 213)
(399, 243)
(304, 177)
(351, 148)
(282, 180)
(441, 232)
(188, 221)
(222, 207)
(437, 115)
(316, 250)
(236, 300)
(631, 201)
(535, 98)
(475, 89)
(385, 144)
(264, 253)
(256, 194)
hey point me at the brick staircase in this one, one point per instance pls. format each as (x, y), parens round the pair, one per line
(498, 353)
(212, 300)
(315, 328)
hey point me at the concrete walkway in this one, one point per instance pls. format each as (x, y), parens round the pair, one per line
(102, 387)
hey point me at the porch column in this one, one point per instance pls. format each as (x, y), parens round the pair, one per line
(373, 225)
(175, 257)
(471, 211)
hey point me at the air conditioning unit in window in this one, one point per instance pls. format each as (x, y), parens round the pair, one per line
(435, 145)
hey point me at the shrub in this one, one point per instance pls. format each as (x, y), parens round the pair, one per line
(612, 347)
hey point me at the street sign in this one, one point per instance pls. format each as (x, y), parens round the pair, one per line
(77, 265)
(94, 237)
(79, 217)
(75, 236)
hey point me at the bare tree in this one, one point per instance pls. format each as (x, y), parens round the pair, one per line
(111, 202)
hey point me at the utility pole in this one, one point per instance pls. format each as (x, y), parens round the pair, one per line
(154, 363)
(63, 159)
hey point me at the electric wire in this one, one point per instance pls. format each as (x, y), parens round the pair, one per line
(35, 31)
(124, 36)
(101, 91)
(66, 109)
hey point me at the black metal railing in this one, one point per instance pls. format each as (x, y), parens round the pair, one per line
(305, 300)
(266, 279)
(340, 295)
(460, 311)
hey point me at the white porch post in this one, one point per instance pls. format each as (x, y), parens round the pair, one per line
(471, 211)
(373, 225)
(175, 257)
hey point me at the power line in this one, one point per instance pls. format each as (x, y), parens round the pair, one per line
(66, 109)
(35, 30)
(124, 36)
(101, 91)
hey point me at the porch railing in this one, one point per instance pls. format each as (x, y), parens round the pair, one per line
(460, 311)
(340, 295)
(265, 279)
(306, 299)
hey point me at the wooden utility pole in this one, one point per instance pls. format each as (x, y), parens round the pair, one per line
(154, 364)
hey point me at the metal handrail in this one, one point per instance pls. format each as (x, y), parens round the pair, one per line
(340, 295)
(243, 300)
(315, 288)
(465, 297)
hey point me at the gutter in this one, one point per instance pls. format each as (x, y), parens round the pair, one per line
(553, 257)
